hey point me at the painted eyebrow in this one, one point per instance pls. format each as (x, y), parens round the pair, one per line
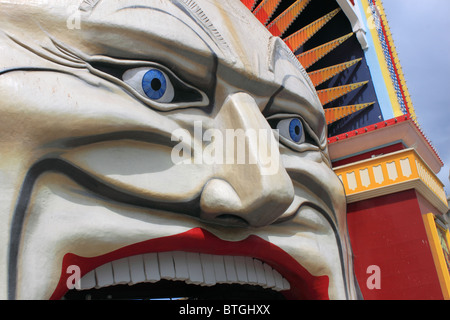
(306, 106)
(305, 110)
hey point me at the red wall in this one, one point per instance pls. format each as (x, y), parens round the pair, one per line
(388, 232)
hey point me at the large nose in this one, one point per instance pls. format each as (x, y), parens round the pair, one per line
(253, 191)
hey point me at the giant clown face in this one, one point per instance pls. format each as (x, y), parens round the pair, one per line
(114, 118)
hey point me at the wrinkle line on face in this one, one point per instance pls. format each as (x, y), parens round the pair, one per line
(339, 243)
(101, 189)
(45, 55)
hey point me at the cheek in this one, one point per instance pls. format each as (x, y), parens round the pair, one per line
(142, 168)
(317, 182)
(40, 107)
(295, 160)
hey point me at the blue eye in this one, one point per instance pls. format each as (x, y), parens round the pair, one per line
(151, 83)
(292, 129)
(296, 130)
(154, 84)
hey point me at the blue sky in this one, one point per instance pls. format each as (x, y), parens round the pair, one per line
(421, 32)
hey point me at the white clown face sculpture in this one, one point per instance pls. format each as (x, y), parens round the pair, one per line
(121, 127)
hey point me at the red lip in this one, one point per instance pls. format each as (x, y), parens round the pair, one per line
(303, 284)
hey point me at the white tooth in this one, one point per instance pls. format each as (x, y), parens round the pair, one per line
(251, 273)
(260, 275)
(269, 275)
(166, 267)
(195, 268)
(88, 281)
(104, 275)
(181, 268)
(241, 270)
(208, 269)
(278, 280)
(151, 266)
(230, 269)
(219, 269)
(137, 272)
(286, 285)
(121, 271)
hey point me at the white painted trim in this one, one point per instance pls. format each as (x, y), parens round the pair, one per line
(370, 150)
(353, 15)
(405, 132)
(416, 184)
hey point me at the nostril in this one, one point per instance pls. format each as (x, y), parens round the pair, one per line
(254, 206)
(231, 220)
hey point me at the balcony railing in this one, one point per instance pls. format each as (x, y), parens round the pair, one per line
(390, 173)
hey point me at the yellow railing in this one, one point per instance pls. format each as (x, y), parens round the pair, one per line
(393, 172)
(430, 179)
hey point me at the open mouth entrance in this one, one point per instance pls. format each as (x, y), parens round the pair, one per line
(210, 268)
(176, 290)
(194, 276)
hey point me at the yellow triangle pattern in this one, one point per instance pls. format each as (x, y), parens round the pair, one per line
(335, 114)
(308, 58)
(299, 38)
(331, 94)
(280, 24)
(265, 10)
(320, 76)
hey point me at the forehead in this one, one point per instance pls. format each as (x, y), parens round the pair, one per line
(145, 28)
(224, 27)
(186, 34)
